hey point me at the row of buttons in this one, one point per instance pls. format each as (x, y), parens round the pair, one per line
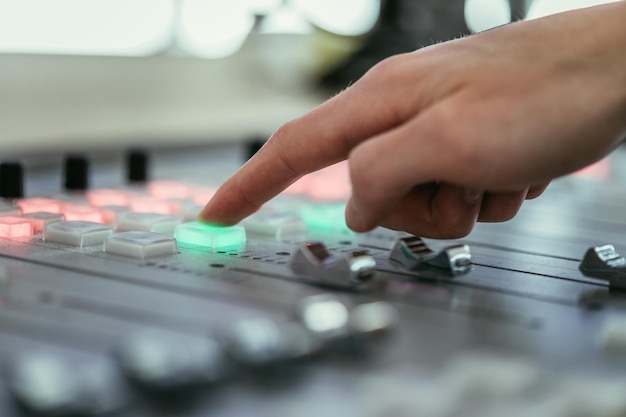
(140, 243)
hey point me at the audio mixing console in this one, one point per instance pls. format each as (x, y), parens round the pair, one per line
(114, 301)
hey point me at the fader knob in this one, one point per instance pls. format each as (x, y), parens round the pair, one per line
(137, 166)
(76, 173)
(11, 180)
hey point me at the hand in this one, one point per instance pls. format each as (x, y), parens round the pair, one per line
(458, 132)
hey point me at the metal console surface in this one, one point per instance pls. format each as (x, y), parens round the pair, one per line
(523, 333)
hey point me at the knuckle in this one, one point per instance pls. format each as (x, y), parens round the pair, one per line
(281, 134)
(387, 69)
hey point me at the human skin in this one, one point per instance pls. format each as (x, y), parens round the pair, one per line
(458, 132)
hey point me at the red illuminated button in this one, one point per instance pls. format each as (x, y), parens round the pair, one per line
(202, 195)
(41, 219)
(331, 184)
(153, 205)
(108, 197)
(170, 189)
(149, 222)
(83, 213)
(12, 227)
(36, 204)
(110, 213)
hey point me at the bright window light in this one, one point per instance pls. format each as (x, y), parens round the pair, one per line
(214, 29)
(342, 17)
(541, 8)
(93, 27)
(286, 19)
(482, 15)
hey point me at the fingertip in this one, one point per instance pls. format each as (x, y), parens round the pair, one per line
(357, 220)
(222, 211)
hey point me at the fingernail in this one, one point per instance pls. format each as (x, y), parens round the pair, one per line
(472, 195)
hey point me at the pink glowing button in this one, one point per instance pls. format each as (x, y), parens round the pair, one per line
(83, 213)
(299, 187)
(170, 189)
(108, 197)
(202, 195)
(111, 213)
(12, 227)
(39, 220)
(330, 184)
(153, 205)
(37, 204)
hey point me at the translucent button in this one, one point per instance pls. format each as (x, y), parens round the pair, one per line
(146, 204)
(325, 217)
(147, 222)
(12, 227)
(39, 220)
(140, 245)
(108, 197)
(170, 189)
(274, 224)
(77, 233)
(80, 212)
(208, 236)
(33, 205)
(110, 213)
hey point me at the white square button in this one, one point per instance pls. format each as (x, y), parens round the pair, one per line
(276, 224)
(77, 233)
(147, 222)
(41, 219)
(142, 245)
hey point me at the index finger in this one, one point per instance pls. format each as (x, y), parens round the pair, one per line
(318, 139)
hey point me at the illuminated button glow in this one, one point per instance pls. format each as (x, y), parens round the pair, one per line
(140, 245)
(325, 217)
(86, 213)
(9, 210)
(170, 189)
(300, 186)
(110, 213)
(77, 233)
(202, 195)
(12, 227)
(108, 197)
(147, 222)
(41, 219)
(208, 236)
(153, 205)
(331, 184)
(34, 205)
(274, 224)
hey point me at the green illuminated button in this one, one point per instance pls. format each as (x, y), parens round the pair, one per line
(208, 236)
(324, 217)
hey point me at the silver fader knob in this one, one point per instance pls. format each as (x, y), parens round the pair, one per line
(412, 253)
(314, 260)
(605, 263)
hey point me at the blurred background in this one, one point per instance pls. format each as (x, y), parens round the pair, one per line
(95, 74)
